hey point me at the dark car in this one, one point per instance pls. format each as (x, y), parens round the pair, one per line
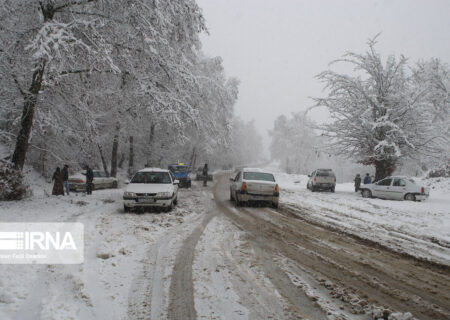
(199, 175)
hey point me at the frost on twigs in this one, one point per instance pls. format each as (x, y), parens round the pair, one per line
(383, 112)
(12, 186)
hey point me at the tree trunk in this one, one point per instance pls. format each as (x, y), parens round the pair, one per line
(131, 158)
(192, 162)
(115, 147)
(150, 143)
(26, 123)
(122, 160)
(105, 166)
(383, 169)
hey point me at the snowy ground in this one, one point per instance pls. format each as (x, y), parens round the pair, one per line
(116, 248)
(210, 260)
(421, 229)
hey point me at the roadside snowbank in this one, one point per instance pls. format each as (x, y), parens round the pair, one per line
(115, 247)
(421, 229)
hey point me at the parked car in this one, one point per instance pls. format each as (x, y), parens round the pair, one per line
(181, 173)
(199, 175)
(254, 185)
(322, 179)
(395, 188)
(151, 187)
(77, 182)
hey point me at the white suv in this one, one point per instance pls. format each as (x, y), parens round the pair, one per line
(322, 179)
(151, 187)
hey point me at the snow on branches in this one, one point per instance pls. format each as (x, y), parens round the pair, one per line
(378, 114)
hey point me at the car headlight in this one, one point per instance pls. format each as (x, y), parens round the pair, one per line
(129, 194)
(164, 194)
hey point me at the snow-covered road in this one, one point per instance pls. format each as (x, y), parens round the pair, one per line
(208, 259)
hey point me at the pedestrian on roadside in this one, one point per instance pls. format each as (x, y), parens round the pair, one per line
(58, 189)
(205, 175)
(367, 179)
(65, 174)
(357, 182)
(89, 179)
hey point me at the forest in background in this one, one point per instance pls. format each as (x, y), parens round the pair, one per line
(114, 85)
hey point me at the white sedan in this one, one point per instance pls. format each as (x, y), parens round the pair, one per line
(151, 187)
(77, 182)
(254, 185)
(395, 188)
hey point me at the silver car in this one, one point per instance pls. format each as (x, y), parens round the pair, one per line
(254, 185)
(395, 188)
(77, 182)
(322, 179)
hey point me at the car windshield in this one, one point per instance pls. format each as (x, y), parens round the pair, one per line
(259, 176)
(323, 173)
(151, 177)
(179, 169)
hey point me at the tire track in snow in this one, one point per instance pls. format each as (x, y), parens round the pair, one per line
(181, 301)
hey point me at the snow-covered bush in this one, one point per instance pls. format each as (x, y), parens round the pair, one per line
(12, 186)
(443, 171)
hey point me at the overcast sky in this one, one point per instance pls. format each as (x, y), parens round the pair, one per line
(276, 47)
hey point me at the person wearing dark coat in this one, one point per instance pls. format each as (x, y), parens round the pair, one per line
(89, 180)
(205, 175)
(58, 189)
(357, 182)
(367, 179)
(65, 174)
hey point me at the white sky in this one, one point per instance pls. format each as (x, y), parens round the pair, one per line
(276, 47)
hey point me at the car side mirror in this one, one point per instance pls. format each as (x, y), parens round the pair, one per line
(176, 182)
(127, 181)
(231, 179)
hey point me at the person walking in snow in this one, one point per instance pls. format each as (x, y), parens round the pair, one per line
(65, 174)
(89, 179)
(58, 189)
(357, 182)
(367, 179)
(205, 175)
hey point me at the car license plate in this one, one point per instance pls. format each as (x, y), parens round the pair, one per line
(146, 200)
(258, 198)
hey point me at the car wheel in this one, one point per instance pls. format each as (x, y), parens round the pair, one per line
(236, 198)
(313, 189)
(332, 189)
(169, 207)
(175, 201)
(231, 196)
(126, 209)
(114, 184)
(410, 197)
(275, 205)
(366, 193)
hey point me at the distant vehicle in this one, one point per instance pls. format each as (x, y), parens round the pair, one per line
(151, 187)
(395, 188)
(322, 179)
(181, 173)
(199, 175)
(254, 185)
(77, 182)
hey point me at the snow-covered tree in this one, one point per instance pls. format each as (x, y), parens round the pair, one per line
(109, 74)
(294, 143)
(377, 114)
(432, 79)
